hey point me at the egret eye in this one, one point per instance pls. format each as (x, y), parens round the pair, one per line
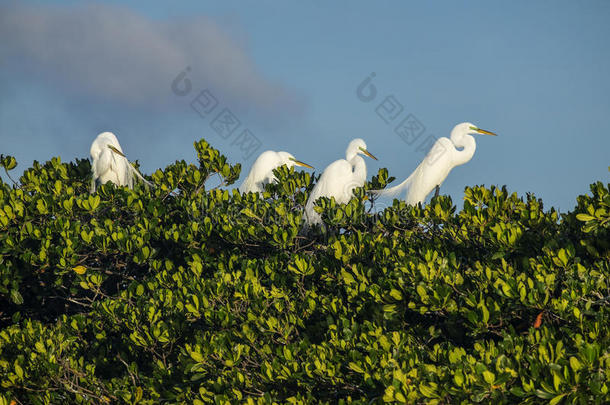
(473, 128)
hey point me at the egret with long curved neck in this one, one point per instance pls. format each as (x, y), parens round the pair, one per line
(434, 169)
(339, 179)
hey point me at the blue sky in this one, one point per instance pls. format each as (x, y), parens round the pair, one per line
(534, 72)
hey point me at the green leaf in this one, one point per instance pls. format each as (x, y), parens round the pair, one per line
(575, 364)
(427, 391)
(139, 290)
(94, 202)
(485, 313)
(518, 392)
(563, 256)
(489, 377)
(18, 371)
(394, 293)
(398, 396)
(544, 394)
(458, 378)
(16, 297)
(584, 217)
(356, 367)
(347, 277)
(248, 212)
(422, 292)
(8, 162)
(557, 399)
(197, 357)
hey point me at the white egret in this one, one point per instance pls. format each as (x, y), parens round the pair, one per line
(434, 169)
(261, 172)
(110, 164)
(339, 179)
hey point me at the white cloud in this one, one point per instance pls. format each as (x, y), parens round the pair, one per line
(112, 54)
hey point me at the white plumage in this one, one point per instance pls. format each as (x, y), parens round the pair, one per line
(339, 179)
(110, 164)
(261, 172)
(440, 160)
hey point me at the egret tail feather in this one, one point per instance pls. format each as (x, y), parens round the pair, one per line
(138, 175)
(394, 191)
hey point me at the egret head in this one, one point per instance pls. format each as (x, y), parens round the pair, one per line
(289, 160)
(103, 140)
(468, 128)
(355, 147)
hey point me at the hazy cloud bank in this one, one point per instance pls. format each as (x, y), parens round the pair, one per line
(108, 53)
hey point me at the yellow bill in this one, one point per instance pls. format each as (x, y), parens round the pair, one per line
(483, 131)
(115, 150)
(366, 152)
(299, 163)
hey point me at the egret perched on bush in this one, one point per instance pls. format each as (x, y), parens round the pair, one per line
(434, 169)
(110, 164)
(339, 179)
(261, 172)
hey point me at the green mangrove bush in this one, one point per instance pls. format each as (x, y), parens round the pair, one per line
(183, 294)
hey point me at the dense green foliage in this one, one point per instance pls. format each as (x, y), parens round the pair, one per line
(182, 294)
